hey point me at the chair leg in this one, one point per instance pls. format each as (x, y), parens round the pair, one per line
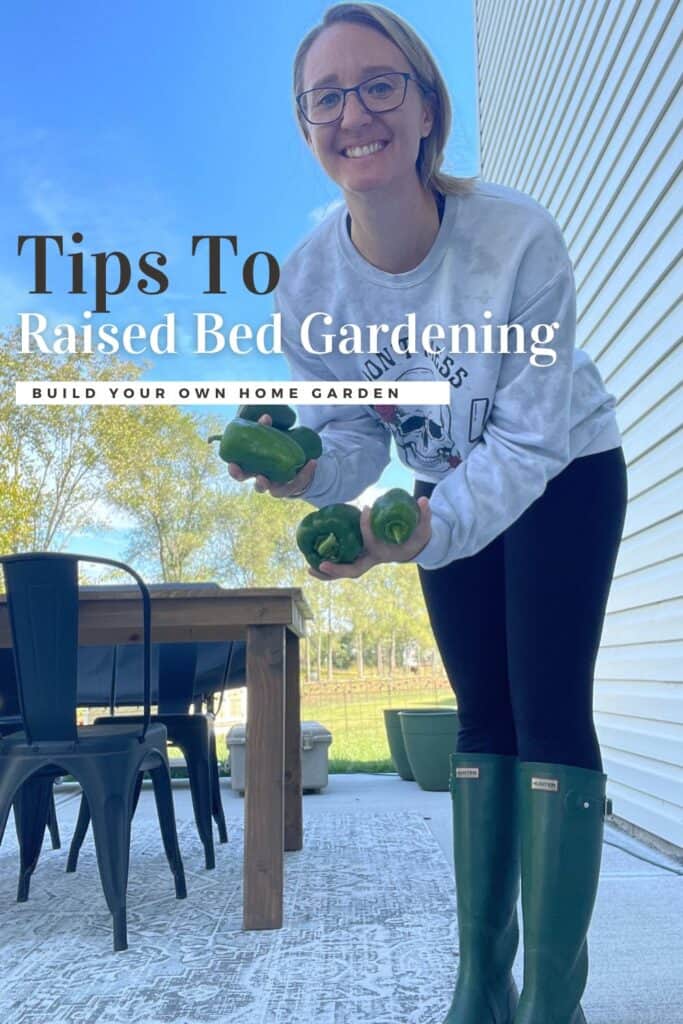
(161, 780)
(136, 793)
(84, 820)
(31, 807)
(111, 817)
(79, 834)
(13, 773)
(120, 923)
(53, 825)
(198, 771)
(216, 803)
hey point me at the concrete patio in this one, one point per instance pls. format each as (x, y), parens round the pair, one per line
(369, 929)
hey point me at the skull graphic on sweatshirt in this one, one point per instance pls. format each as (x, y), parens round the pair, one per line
(422, 433)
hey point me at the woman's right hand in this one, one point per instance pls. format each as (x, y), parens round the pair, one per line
(262, 483)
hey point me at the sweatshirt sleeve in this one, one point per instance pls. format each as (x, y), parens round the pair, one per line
(525, 441)
(356, 446)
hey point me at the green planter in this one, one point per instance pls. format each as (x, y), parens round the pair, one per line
(395, 739)
(429, 741)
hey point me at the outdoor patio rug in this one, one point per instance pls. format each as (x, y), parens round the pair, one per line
(369, 933)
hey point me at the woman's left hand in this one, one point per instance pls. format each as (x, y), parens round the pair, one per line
(375, 551)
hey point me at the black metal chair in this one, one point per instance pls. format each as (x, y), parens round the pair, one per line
(179, 673)
(11, 721)
(107, 760)
(208, 693)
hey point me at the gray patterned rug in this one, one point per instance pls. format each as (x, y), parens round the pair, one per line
(369, 933)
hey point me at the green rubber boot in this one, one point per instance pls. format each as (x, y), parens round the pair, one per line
(486, 852)
(562, 811)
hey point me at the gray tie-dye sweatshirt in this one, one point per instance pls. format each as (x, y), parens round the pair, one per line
(511, 425)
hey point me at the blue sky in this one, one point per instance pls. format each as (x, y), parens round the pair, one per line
(140, 125)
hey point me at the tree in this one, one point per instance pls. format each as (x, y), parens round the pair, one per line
(160, 471)
(52, 474)
(358, 606)
(386, 605)
(252, 542)
(16, 506)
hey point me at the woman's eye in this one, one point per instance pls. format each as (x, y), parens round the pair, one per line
(328, 99)
(380, 88)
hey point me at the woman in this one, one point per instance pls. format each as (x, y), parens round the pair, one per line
(521, 484)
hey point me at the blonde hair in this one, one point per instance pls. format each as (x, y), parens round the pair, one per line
(424, 68)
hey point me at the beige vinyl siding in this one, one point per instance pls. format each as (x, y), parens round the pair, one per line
(580, 107)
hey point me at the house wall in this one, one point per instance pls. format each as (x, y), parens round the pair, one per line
(579, 106)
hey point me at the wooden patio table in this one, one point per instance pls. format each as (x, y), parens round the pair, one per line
(271, 620)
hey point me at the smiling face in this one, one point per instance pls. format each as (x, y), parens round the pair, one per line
(346, 54)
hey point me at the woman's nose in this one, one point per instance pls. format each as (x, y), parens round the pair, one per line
(354, 112)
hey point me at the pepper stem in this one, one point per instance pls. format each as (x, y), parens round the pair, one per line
(396, 533)
(214, 437)
(327, 547)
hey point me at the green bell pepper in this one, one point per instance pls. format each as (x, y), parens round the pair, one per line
(330, 534)
(309, 441)
(283, 416)
(259, 449)
(394, 516)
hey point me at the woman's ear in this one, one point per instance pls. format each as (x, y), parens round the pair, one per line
(428, 116)
(308, 137)
(309, 143)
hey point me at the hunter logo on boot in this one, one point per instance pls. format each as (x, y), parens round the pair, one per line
(547, 785)
(467, 773)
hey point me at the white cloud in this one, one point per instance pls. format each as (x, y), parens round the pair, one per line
(47, 201)
(65, 192)
(119, 521)
(13, 297)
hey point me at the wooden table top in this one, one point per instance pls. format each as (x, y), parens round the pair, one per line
(181, 613)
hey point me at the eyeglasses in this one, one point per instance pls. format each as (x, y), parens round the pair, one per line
(377, 95)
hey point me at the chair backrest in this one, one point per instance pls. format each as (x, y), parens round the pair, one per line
(42, 601)
(9, 694)
(231, 673)
(180, 672)
(221, 667)
(173, 668)
(212, 666)
(177, 667)
(236, 669)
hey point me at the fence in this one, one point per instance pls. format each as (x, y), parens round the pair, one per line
(351, 708)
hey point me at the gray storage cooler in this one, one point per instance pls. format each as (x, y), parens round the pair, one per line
(315, 744)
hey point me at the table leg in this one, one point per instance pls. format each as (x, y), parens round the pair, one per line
(264, 793)
(293, 799)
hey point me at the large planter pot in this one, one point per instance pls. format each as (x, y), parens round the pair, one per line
(429, 741)
(395, 739)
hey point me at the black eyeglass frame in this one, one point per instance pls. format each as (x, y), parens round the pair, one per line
(405, 75)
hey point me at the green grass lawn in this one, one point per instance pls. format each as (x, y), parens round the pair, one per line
(355, 719)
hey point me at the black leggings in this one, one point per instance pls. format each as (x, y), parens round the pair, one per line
(518, 624)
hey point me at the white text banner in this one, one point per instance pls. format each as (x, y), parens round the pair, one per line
(199, 392)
